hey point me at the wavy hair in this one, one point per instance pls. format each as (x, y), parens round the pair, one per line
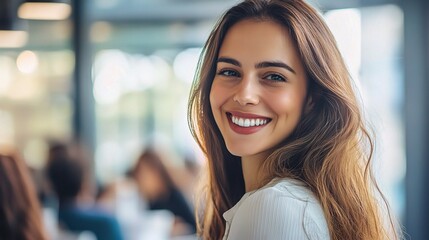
(330, 150)
(20, 216)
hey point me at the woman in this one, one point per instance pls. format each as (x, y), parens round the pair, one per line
(20, 216)
(158, 188)
(274, 110)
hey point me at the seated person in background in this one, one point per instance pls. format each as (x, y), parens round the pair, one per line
(158, 189)
(20, 213)
(66, 175)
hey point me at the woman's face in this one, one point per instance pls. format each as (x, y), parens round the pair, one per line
(149, 180)
(260, 87)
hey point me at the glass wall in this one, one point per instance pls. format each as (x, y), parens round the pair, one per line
(370, 40)
(140, 100)
(143, 66)
(35, 90)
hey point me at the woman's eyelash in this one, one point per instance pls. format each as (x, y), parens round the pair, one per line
(275, 77)
(228, 73)
(233, 73)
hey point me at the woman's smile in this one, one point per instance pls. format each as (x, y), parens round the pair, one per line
(246, 123)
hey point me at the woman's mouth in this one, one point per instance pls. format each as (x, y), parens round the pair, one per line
(246, 123)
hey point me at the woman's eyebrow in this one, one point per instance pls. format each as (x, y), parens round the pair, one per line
(264, 64)
(229, 60)
(280, 64)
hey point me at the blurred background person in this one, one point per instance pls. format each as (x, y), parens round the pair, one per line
(20, 213)
(78, 152)
(160, 192)
(67, 177)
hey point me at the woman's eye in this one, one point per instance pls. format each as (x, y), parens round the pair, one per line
(275, 77)
(229, 73)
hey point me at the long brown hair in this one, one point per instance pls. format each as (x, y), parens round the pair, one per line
(151, 157)
(330, 150)
(20, 216)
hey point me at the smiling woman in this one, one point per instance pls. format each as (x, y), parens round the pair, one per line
(274, 110)
(267, 84)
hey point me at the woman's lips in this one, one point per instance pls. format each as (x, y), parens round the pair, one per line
(246, 123)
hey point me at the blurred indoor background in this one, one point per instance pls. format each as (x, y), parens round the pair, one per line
(115, 75)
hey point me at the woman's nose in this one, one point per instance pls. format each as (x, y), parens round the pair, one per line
(247, 92)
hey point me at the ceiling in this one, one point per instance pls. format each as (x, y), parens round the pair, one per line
(142, 25)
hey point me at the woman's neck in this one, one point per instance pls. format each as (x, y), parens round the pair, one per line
(250, 166)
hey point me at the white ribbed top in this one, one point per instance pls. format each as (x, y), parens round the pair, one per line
(283, 209)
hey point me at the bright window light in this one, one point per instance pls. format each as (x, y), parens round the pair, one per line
(185, 64)
(27, 62)
(345, 24)
(44, 11)
(13, 39)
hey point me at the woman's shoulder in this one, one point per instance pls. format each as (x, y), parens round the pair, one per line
(289, 190)
(286, 205)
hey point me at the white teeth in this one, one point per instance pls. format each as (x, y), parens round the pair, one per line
(240, 122)
(248, 122)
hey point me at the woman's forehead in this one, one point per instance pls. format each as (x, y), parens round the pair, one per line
(255, 41)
